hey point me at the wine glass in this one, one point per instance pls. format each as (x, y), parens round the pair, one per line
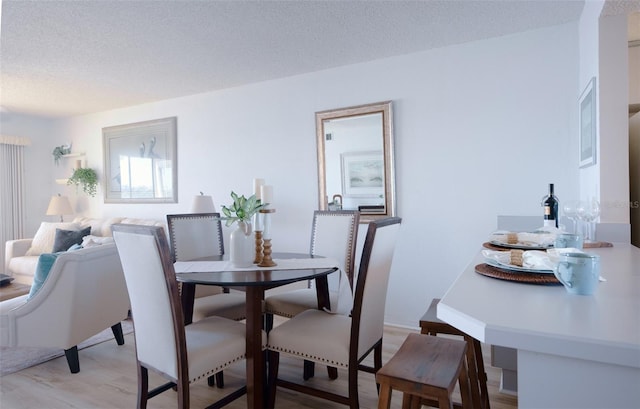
(588, 211)
(570, 210)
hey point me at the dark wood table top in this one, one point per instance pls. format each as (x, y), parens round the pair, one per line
(263, 277)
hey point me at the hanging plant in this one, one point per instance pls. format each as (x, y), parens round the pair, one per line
(86, 178)
(59, 151)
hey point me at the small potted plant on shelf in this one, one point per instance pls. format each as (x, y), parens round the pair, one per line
(85, 177)
(241, 211)
(59, 151)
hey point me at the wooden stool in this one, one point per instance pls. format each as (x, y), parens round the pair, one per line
(430, 324)
(425, 369)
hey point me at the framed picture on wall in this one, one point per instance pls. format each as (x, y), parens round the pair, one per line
(588, 129)
(363, 174)
(140, 162)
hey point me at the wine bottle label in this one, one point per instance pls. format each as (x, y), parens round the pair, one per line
(547, 210)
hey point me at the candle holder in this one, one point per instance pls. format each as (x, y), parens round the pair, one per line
(267, 261)
(259, 248)
(258, 227)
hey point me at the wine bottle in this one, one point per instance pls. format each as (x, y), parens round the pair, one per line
(550, 203)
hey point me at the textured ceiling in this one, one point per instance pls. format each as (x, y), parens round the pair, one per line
(61, 58)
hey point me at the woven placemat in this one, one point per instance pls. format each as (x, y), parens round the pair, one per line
(531, 278)
(593, 245)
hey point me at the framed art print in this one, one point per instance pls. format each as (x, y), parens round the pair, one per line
(362, 174)
(587, 124)
(140, 162)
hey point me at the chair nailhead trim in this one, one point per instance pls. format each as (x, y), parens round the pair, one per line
(311, 357)
(217, 369)
(282, 314)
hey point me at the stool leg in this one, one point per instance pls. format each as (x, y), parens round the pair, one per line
(384, 399)
(473, 372)
(482, 375)
(406, 401)
(463, 379)
(444, 402)
(416, 402)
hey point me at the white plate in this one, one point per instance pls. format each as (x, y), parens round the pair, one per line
(535, 240)
(503, 260)
(511, 267)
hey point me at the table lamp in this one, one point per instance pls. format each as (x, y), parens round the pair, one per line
(59, 206)
(203, 204)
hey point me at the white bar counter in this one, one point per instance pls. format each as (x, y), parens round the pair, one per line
(573, 351)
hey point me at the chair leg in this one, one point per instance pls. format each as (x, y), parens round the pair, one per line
(268, 322)
(377, 361)
(377, 356)
(332, 372)
(309, 370)
(117, 333)
(274, 361)
(211, 380)
(72, 359)
(354, 403)
(143, 386)
(220, 379)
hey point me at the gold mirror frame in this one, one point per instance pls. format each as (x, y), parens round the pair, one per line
(387, 150)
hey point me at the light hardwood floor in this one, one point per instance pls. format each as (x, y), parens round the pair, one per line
(108, 380)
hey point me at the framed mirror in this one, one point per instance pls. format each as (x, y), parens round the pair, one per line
(356, 160)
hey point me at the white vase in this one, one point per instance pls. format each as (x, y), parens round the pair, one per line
(242, 246)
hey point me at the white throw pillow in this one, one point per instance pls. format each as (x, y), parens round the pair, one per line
(46, 235)
(92, 241)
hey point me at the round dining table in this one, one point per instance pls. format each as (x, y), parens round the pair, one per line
(254, 282)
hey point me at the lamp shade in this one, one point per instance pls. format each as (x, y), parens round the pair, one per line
(203, 204)
(59, 206)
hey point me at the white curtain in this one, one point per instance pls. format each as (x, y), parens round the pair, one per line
(12, 190)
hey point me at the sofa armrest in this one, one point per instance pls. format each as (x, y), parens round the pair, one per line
(15, 248)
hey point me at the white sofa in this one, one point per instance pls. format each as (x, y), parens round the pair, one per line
(22, 267)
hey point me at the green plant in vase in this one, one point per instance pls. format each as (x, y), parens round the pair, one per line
(242, 245)
(242, 209)
(85, 177)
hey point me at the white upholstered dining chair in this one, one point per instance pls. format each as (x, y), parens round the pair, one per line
(333, 235)
(341, 340)
(181, 354)
(199, 235)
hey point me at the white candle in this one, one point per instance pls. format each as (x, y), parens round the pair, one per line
(266, 193)
(257, 184)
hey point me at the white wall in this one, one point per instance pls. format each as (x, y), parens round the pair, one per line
(614, 124)
(481, 129)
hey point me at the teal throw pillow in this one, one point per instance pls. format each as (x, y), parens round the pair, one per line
(67, 238)
(45, 262)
